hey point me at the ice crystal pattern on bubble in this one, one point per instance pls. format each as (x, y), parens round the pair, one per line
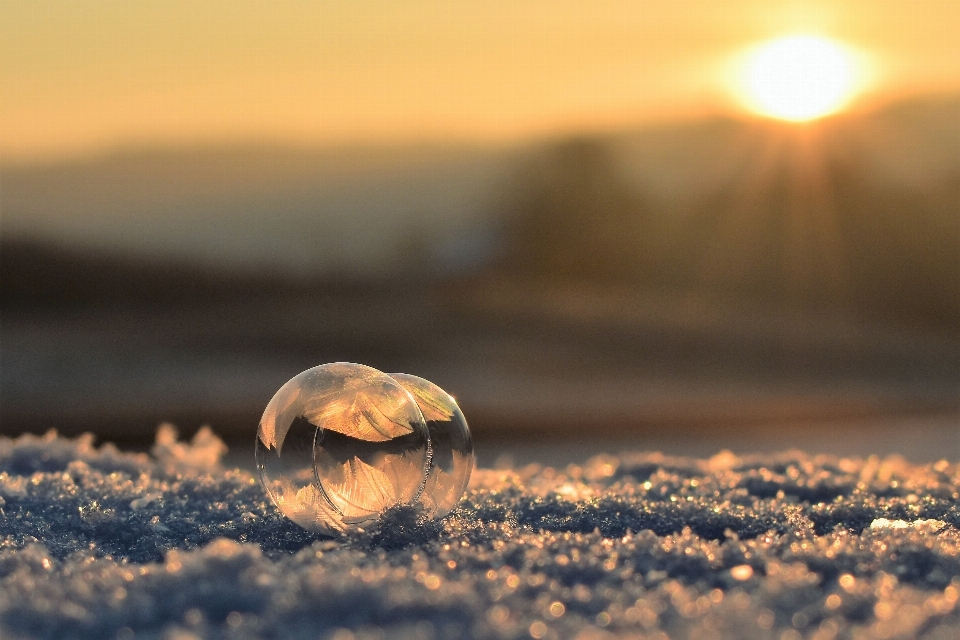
(340, 443)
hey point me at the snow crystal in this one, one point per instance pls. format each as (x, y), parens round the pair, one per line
(97, 543)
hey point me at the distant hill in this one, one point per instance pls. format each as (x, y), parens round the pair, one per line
(353, 210)
(856, 215)
(859, 214)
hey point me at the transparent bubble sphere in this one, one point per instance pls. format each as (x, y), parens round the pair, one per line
(340, 443)
(451, 461)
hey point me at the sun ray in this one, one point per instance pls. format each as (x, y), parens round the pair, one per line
(777, 229)
(739, 217)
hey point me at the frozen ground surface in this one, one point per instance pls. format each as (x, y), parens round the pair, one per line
(96, 543)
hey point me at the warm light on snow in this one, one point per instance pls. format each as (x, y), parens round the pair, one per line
(97, 543)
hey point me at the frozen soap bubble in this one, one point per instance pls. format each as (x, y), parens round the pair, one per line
(340, 443)
(452, 461)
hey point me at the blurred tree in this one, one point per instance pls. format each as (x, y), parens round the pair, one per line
(805, 223)
(575, 217)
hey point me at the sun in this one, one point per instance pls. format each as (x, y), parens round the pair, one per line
(799, 78)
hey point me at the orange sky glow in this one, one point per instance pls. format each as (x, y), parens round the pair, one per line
(81, 78)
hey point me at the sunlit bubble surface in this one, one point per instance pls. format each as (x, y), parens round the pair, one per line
(452, 460)
(340, 443)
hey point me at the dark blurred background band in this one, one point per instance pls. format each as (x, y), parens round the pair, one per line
(619, 286)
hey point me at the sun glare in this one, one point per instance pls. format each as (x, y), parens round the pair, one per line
(799, 78)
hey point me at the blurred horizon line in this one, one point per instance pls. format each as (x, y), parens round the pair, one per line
(445, 140)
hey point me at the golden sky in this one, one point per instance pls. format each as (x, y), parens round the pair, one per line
(83, 77)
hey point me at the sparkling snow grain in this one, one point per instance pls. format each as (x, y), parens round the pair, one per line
(96, 543)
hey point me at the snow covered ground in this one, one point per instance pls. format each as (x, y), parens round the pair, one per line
(97, 543)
